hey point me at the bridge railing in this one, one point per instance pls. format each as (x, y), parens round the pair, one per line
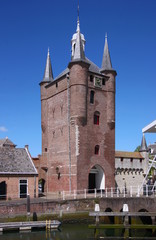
(122, 192)
(128, 192)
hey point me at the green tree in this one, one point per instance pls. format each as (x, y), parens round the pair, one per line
(137, 149)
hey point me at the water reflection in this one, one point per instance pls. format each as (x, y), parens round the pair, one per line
(76, 232)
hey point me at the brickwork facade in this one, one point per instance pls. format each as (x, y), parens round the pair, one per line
(13, 186)
(78, 128)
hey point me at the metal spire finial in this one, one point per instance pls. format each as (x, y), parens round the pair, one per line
(78, 20)
(78, 10)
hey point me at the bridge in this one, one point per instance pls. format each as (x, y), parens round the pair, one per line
(82, 201)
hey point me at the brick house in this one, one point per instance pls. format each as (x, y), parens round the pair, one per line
(18, 175)
(78, 123)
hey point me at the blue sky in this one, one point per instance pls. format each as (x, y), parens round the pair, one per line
(29, 27)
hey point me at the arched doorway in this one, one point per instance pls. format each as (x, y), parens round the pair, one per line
(96, 179)
(3, 190)
(41, 185)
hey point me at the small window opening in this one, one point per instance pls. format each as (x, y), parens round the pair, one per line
(92, 96)
(45, 149)
(96, 150)
(91, 78)
(23, 188)
(96, 118)
(56, 84)
(103, 81)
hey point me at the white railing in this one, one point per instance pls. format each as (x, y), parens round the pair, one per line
(128, 192)
(122, 192)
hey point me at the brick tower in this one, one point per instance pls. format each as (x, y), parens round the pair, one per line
(78, 122)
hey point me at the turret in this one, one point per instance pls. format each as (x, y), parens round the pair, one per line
(144, 152)
(78, 77)
(110, 85)
(47, 78)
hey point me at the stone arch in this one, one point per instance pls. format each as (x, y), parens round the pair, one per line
(145, 219)
(110, 218)
(3, 190)
(96, 178)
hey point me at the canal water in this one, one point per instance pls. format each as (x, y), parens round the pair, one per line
(75, 232)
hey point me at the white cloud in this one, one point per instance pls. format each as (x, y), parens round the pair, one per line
(3, 129)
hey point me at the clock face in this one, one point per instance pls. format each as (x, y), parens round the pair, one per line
(98, 82)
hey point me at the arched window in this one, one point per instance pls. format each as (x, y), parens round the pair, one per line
(96, 118)
(92, 96)
(96, 151)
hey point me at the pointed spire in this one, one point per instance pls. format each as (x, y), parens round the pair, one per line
(48, 73)
(106, 61)
(143, 147)
(79, 52)
(78, 42)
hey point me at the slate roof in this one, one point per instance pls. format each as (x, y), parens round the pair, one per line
(6, 142)
(16, 161)
(92, 68)
(122, 154)
(106, 61)
(48, 73)
(152, 148)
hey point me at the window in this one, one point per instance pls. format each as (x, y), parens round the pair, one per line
(23, 188)
(91, 78)
(92, 96)
(56, 84)
(103, 81)
(96, 150)
(96, 118)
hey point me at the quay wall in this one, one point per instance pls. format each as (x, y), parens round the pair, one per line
(42, 206)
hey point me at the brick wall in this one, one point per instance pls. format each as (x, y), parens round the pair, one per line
(13, 187)
(84, 135)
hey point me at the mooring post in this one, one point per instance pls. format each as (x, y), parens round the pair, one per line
(95, 192)
(126, 221)
(125, 211)
(85, 193)
(111, 192)
(28, 206)
(101, 193)
(97, 209)
(106, 192)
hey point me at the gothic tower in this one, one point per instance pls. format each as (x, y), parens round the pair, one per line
(78, 122)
